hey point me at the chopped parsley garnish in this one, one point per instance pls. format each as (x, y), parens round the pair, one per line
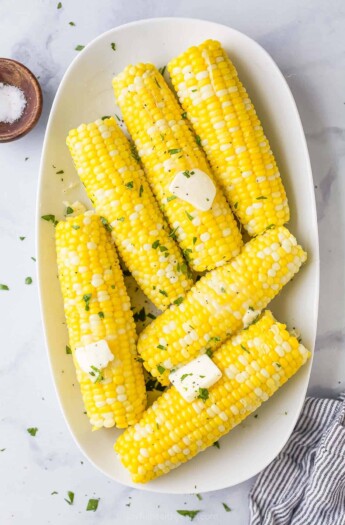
(2, 449)
(163, 292)
(216, 444)
(75, 226)
(171, 198)
(101, 315)
(4, 287)
(278, 365)
(155, 244)
(162, 347)
(251, 308)
(161, 369)
(162, 70)
(68, 349)
(141, 190)
(87, 298)
(129, 185)
(50, 218)
(71, 23)
(70, 499)
(174, 151)
(106, 224)
(157, 83)
(151, 316)
(261, 198)
(198, 140)
(187, 174)
(199, 496)
(92, 504)
(245, 349)
(79, 47)
(203, 394)
(32, 431)
(59, 5)
(163, 248)
(134, 152)
(34, 259)
(99, 376)
(26, 158)
(223, 289)
(194, 240)
(236, 205)
(184, 115)
(183, 377)
(28, 280)
(186, 253)
(269, 227)
(216, 339)
(190, 217)
(188, 513)
(121, 219)
(113, 46)
(60, 172)
(53, 493)
(226, 507)
(105, 117)
(172, 234)
(69, 210)
(22, 238)
(209, 352)
(140, 316)
(178, 301)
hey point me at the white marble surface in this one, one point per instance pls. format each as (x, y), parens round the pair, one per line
(307, 39)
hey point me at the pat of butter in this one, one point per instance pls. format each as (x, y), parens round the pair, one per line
(194, 186)
(199, 373)
(93, 358)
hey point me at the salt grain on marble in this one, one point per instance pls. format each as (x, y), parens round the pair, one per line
(12, 103)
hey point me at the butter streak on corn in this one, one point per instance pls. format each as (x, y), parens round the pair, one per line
(120, 193)
(97, 308)
(221, 303)
(254, 364)
(224, 117)
(166, 147)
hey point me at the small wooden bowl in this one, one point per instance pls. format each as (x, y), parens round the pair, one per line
(15, 74)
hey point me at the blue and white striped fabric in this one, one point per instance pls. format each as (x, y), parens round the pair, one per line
(305, 484)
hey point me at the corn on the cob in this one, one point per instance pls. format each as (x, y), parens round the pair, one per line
(168, 147)
(97, 308)
(120, 193)
(224, 118)
(222, 302)
(254, 364)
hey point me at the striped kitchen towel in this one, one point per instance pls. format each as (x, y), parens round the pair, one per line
(305, 484)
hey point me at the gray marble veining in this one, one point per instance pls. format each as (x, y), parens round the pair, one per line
(307, 40)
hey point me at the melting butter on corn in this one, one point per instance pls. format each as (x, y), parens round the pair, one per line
(190, 379)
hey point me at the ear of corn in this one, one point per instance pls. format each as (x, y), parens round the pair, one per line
(166, 147)
(254, 364)
(222, 302)
(120, 194)
(231, 134)
(97, 308)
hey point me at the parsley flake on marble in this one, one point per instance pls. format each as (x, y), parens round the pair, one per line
(188, 513)
(92, 504)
